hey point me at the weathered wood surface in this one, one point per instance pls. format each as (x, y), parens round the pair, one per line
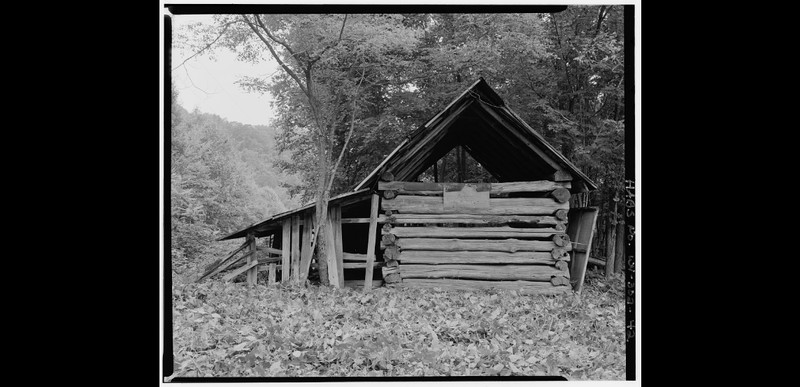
(224, 263)
(474, 232)
(360, 265)
(240, 270)
(497, 189)
(373, 230)
(497, 206)
(532, 220)
(581, 230)
(482, 272)
(270, 250)
(286, 249)
(598, 262)
(295, 253)
(561, 195)
(509, 245)
(561, 240)
(355, 220)
(561, 214)
(359, 284)
(354, 257)
(560, 253)
(252, 275)
(476, 257)
(523, 287)
(336, 220)
(391, 253)
(562, 265)
(271, 274)
(559, 280)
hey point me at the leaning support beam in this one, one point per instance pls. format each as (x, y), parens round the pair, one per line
(252, 274)
(371, 240)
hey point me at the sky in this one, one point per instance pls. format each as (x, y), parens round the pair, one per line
(209, 85)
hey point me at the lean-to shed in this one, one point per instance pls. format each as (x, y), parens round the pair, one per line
(515, 233)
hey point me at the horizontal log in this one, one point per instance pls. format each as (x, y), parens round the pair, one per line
(482, 272)
(354, 220)
(561, 214)
(561, 195)
(386, 270)
(497, 206)
(596, 261)
(360, 265)
(474, 232)
(418, 188)
(238, 271)
(562, 265)
(266, 267)
(476, 257)
(270, 250)
(509, 245)
(524, 287)
(533, 220)
(392, 278)
(359, 284)
(391, 252)
(354, 257)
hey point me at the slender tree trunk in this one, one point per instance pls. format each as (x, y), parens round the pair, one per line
(611, 228)
(322, 211)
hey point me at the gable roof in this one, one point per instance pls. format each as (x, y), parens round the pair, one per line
(493, 134)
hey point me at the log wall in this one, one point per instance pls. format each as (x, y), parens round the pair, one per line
(474, 236)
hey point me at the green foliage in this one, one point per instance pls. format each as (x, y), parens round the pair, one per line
(221, 180)
(228, 329)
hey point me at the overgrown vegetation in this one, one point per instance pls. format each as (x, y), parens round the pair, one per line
(228, 329)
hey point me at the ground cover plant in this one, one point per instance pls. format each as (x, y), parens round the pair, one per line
(230, 329)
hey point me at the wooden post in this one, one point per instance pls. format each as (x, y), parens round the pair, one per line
(286, 250)
(296, 248)
(252, 274)
(373, 229)
(271, 274)
(306, 253)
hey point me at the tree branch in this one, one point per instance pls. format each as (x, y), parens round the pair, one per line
(206, 47)
(341, 31)
(277, 58)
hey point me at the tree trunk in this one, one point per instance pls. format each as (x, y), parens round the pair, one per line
(322, 211)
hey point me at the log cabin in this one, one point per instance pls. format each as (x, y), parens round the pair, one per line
(393, 230)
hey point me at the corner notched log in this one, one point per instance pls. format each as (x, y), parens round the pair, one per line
(473, 232)
(523, 287)
(561, 195)
(561, 214)
(387, 176)
(559, 281)
(561, 240)
(482, 272)
(389, 194)
(476, 257)
(507, 245)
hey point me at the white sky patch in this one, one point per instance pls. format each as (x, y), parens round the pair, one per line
(210, 85)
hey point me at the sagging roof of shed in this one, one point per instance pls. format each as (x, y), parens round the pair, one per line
(275, 222)
(493, 134)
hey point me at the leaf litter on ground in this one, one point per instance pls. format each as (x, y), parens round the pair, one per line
(228, 329)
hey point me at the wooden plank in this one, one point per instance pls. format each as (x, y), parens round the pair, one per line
(271, 274)
(360, 265)
(523, 287)
(537, 220)
(240, 270)
(371, 240)
(262, 267)
(474, 232)
(509, 245)
(270, 250)
(497, 189)
(359, 284)
(497, 206)
(581, 229)
(476, 257)
(252, 275)
(482, 272)
(286, 249)
(330, 254)
(336, 219)
(305, 251)
(354, 257)
(354, 220)
(295, 271)
(224, 263)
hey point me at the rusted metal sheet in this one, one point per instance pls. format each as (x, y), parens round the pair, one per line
(460, 196)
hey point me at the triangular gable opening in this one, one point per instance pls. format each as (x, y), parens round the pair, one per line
(456, 166)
